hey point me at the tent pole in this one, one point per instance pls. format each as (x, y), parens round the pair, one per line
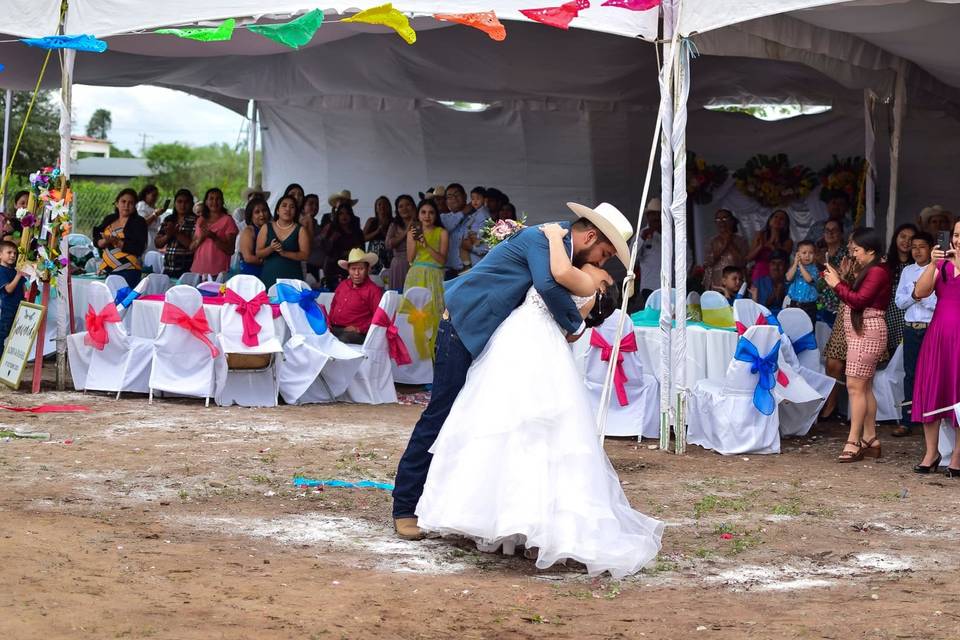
(252, 145)
(7, 106)
(63, 290)
(899, 110)
(870, 157)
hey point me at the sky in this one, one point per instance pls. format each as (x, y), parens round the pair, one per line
(163, 115)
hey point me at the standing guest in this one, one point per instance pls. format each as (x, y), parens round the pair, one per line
(427, 245)
(835, 351)
(340, 235)
(439, 196)
(937, 384)
(899, 255)
(283, 244)
(375, 233)
(478, 199)
(122, 239)
(176, 235)
(771, 289)
(20, 200)
(727, 249)
(308, 214)
(255, 216)
(335, 200)
(147, 209)
(831, 249)
(866, 302)
(803, 277)
(311, 209)
(731, 283)
(648, 256)
(215, 239)
(356, 298)
(917, 314)
(11, 288)
(775, 236)
(397, 241)
(934, 219)
(494, 200)
(463, 228)
(838, 209)
(508, 211)
(299, 195)
(248, 194)
(10, 223)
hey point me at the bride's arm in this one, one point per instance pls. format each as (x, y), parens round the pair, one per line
(567, 276)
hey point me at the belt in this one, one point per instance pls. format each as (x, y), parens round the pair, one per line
(918, 325)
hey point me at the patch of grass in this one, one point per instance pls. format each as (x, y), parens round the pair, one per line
(536, 619)
(711, 502)
(703, 552)
(267, 458)
(661, 566)
(791, 508)
(183, 495)
(260, 479)
(891, 496)
(744, 542)
(722, 528)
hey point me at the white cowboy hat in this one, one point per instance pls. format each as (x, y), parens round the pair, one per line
(257, 190)
(611, 223)
(343, 195)
(654, 205)
(358, 255)
(929, 212)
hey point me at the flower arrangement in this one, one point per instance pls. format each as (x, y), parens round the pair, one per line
(703, 178)
(493, 232)
(842, 175)
(43, 222)
(773, 182)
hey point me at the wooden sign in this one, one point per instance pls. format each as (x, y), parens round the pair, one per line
(16, 351)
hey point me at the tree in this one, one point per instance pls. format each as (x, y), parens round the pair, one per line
(99, 125)
(172, 163)
(41, 140)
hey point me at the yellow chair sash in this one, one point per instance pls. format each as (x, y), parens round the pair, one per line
(722, 317)
(421, 320)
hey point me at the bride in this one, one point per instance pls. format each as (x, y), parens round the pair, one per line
(518, 461)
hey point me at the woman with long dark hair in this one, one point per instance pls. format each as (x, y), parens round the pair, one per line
(176, 235)
(866, 332)
(406, 209)
(375, 232)
(937, 385)
(727, 249)
(340, 235)
(898, 257)
(216, 236)
(256, 214)
(775, 236)
(283, 244)
(122, 239)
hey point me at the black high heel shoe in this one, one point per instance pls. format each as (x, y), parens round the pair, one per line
(922, 468)
(952, 473)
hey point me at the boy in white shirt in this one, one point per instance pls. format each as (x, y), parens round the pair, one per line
(917, 315)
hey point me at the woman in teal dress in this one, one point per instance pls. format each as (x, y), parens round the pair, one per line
(283, 244)
(427, 244)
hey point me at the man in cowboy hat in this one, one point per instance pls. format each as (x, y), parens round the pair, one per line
(934, 219)
(356, 299)
(477, 303)
(334, 200)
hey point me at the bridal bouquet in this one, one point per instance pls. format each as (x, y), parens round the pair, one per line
(493, 232)
(772, 182)
(703, 178)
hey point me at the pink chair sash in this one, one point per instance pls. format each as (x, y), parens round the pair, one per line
(396, 348)
(97, 336)
(628, 344)
(248, 310)
(742, 328)
(197, 326)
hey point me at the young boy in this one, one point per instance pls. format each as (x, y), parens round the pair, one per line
(11, 287)
(770, 290)
(916, 317)
(731, 282)
(802, 276)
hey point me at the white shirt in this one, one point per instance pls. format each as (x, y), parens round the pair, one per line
(914, 311)
(648, 259)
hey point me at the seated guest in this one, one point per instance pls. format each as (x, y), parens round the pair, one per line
(803, 276)
(176, 235)
(730, 283)
(770, 290)
(255, 216)
(215, 239)
(356, 298)
(917, 314)
(122, 239)
(340, 236)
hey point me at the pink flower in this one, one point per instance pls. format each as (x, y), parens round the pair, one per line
(726, 536)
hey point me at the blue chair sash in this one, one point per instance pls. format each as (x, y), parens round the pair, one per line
(766, 370)
(307, 299)
(806, 342)
(125, 297)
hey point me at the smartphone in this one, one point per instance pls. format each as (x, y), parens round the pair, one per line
(943, 240)
(166, 206)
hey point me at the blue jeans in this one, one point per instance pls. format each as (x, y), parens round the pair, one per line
(912, 339)
(451, 362)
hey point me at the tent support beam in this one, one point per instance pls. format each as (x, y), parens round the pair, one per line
(66, 128)
(899, 111)
(252, 145)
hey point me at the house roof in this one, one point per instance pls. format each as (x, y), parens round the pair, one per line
(119, 167)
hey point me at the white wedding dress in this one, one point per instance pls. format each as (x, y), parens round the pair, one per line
(518, 460)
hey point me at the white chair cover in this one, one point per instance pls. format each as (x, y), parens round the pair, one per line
(248, 388)
(315, 368)
(641, 416)
(209, 287)
(373, 383)
(797, 418)
(888, 387)
(325, 300)
(715, 309)
(190, 278)
(115, 283)
(420, 371)
(655, 301)
(183, 364)
(124, 362)
(221, 277)
(78, 352)
(948, 440)
(153, 260)
(154, 284)
(722, 416)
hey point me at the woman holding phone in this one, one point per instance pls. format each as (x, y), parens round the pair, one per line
(937, 384)
(866, 333)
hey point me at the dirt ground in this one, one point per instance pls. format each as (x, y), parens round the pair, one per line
(176, 521)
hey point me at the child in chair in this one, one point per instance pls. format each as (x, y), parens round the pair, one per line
(731, 283)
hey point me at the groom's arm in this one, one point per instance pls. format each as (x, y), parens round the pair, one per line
(558, 299)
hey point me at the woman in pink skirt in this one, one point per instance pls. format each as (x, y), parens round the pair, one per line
(937, 382)
(866, 303)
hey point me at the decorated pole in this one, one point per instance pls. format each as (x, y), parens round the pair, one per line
(7, 106)
(64, 301)
(899, 110)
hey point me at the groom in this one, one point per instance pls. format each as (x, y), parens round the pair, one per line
(477, 302)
